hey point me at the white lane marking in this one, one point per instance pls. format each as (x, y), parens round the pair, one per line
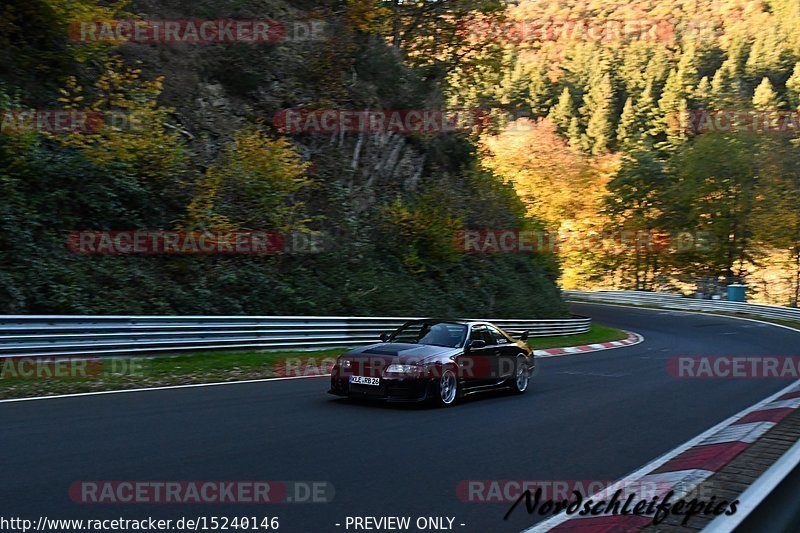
(680, 482)
(740, 433)
(792, 403)
(640, 473)
(165, 387)
(676, 476)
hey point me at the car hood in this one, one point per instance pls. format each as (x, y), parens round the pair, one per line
(402, 352)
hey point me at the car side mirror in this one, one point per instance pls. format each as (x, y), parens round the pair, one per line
(384, 337)
(524, 336)
(476, 344)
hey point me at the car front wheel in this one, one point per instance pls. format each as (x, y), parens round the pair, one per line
(447, 388)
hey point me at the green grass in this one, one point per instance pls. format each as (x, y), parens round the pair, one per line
(118, 373)
(598, 333)
(202, 367)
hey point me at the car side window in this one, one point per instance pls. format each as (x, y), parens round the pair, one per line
(478, 333)
(475, 334)
(498, 337)
(482, 333)
(410, 334)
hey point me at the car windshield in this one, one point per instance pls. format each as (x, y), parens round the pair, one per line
(447, 334)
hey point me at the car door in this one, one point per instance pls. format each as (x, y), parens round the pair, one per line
(481, 365)
(506, 353)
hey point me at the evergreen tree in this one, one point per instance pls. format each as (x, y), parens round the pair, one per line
(776, 214)
(720, 87)
(628, 129)
(765, 98)
(658, 68)
(597, 111)
(793, 88)
(539, 88)
(726, 87)
(687, 68)
(513, 89)
(564, 111)
(633, 68)
(635, 198)
(769, 52)
(672, 108)
(713, 192)
(575, 137)
(647, 111)
(703, 93)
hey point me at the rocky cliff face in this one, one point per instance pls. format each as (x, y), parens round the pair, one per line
(216, 89)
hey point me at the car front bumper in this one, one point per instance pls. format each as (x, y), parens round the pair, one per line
(389, 389)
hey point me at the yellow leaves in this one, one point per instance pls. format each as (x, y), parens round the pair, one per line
(201, 210)
(560, 186)
(426, 232)
(555, 182)
(133, 129)
(74, 12)
(251, 186)
(368, 16)
(72, 94)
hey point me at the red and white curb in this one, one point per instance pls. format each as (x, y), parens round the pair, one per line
(685, 467)
(633, 338)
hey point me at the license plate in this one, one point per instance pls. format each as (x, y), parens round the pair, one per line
(361, 380)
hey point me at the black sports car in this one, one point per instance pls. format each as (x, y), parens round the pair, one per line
(439, 360)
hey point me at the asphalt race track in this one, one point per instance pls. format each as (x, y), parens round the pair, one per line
(595, 416)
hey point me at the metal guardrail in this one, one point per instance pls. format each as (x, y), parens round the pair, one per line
(676, 301)
(60, 335)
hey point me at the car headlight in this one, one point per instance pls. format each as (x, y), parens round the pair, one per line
(403, 369)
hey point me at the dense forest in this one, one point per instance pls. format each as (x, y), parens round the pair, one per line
(588, 128)
(603, 104)
(205, 155)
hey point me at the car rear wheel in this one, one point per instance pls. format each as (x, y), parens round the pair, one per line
(447, 388)
(522, 377)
